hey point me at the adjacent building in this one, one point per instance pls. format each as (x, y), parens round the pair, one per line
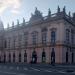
(41, 40)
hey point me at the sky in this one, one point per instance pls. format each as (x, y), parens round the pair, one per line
(11, 10)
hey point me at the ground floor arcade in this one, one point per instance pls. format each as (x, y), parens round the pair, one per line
(39, 55)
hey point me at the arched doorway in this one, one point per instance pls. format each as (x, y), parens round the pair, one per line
(43, 56)
(72, 57)
(13, 57)
(0, 58)
(25, 56)
(9, 57)
(34, 57)
(67, 57)
(53, 56)
(19, 57)
(4, 58)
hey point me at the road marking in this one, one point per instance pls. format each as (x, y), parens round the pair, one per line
(12, 73)
(5, 67)
(26, 69)
(61, 72)
(73, 72)
(66, 66)
(0, 66)
(17, 68)
(8, 72)
(10, 67)
(35, 69)
(47, 70)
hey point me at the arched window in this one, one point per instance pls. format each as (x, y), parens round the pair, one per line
(9, 41)
(53, 37)
(34, 37)
(14, 41)
(5, 44)
(44, 35)
(52, 56)
(34, 57)
(13, 57)
(25, 56)
(9, 57)
(19, 40)
(19, 57)
(43, 56)
(72, 36)
(67, 35)
(25, 38)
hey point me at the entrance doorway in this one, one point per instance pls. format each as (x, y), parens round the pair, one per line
(34, 57)
(72, 57)
(67, 57)
(43, 57)
(53, 56)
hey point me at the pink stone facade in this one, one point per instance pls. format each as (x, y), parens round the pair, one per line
(41, 40)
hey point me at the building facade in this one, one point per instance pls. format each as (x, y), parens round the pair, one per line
(41, 40)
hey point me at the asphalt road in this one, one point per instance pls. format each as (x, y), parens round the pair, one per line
(36, 69)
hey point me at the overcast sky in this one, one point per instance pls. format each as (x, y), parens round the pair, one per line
(11, 10)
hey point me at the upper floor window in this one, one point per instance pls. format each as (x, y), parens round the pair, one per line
(14, 41)
(53, 36)
(19, 40)
(72, 36)
(5, 44)
(34, 38)
(9, 41)
(26, 38)
(67, 35)
(44, 35)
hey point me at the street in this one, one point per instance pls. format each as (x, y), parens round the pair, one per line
(36, 69)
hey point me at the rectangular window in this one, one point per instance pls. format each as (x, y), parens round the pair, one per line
(44, 37)
(34, 38)
(9, 42)
(5, 44)
(72, 36)
(53, 37)
(25, 39)
(67, 36)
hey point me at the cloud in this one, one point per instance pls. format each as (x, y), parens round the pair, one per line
(15, 11)
(14, 6)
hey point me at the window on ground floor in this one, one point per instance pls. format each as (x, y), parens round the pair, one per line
(4, 57)
(72, 57)
(9, 57)
(67, 57)
(0, 58)
(19, 57)
(13, 57)
(52, 56)
(34, 56)
(25, 56)
(43, 56)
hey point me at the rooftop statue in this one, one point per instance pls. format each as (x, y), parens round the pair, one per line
(36, 16)
(49, 13)
(58, 10)
(1, 25)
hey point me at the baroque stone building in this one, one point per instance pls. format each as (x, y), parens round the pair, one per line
(41, 40)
